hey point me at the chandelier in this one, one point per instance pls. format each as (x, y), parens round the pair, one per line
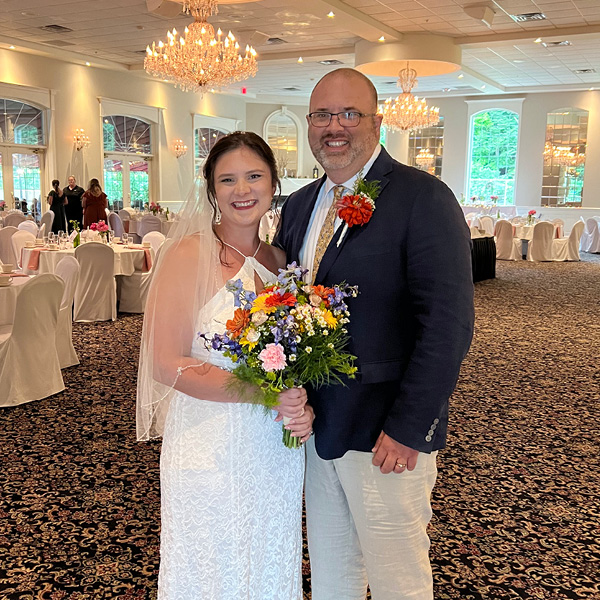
(562, 156)
(425, 159)
(80, 139)
(199, 60)
(407, 112)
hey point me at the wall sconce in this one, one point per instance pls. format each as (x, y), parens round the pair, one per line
(179, 148)
(81, 140)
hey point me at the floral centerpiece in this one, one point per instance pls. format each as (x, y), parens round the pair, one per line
(2, 205)
(289, 335)
(531, 217)
(102, 228)
(155, 208)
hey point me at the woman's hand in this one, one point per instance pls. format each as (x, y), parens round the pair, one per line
(301, 427)
(291, 403)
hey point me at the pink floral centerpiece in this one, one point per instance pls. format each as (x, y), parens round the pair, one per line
(155, 208)
(2, 205)
(531, 217)
(102, 228)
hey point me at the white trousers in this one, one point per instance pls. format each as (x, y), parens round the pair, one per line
(366, 527)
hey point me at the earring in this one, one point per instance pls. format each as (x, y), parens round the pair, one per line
(217, 217)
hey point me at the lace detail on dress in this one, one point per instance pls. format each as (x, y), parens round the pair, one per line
(231, 492)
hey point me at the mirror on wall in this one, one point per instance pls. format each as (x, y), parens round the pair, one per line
(426, 148)
(282, 136)
(564, 157)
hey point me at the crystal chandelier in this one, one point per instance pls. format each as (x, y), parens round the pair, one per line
(199, 60)
(425, 159)
(407, 112)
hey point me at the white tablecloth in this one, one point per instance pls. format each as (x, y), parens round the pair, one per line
(165, 226)
(127, 260)
(8, 299)
(525, 232)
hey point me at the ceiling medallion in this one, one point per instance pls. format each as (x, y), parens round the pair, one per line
(407, 112)
(199, 60)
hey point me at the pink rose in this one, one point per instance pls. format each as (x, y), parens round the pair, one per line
(273, 357)
(531, 212)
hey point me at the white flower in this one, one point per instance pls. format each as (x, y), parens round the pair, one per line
(292, 357)
(330, 345)
(259, 317)
(252, 335)
(308, 349)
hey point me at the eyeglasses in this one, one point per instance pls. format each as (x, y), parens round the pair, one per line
(345, 119)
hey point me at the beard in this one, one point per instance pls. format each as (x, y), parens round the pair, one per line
(357, 149)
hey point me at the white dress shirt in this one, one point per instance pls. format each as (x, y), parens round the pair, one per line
(317, 218)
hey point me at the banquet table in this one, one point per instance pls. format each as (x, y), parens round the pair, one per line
(131, 226)
(8, 299)
(525, 232)
(483, 258)
(127, 260)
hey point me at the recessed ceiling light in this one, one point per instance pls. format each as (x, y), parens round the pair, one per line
(537, 41)
(300, 60)
(483, 87)
(592, 89)
(556, 44)
(584, 71)
(331, 14)
(381, 39)
(331, 61)
(87, 64)
(11, 47)
(518, 60)
(461, 76)
(535, 16)
(446, 89)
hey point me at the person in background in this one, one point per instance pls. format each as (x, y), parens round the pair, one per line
(24, 208)
(94, 203)
(73, 208)
(57, 201)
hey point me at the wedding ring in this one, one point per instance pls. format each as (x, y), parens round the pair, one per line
(400, 465)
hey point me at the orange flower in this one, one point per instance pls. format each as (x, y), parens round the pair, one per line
(322, 291)
(286, 299)
(355, 210)
(236, 326)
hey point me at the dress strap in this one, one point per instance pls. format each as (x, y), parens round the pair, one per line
(241, 253)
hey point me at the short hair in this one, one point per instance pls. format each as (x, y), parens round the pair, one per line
(349, 73)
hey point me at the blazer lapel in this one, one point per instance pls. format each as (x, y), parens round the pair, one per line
(304, 219)
(377, 172)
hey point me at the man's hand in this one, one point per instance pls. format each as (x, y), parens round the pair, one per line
(390, 455)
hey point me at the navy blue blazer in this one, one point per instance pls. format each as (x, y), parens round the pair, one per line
(412, 322)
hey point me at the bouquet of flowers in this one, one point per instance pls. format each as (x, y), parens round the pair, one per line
(2, 205)
(77, 238)
(155, 208)
(531, 217)
(101, 227)
(289, 335)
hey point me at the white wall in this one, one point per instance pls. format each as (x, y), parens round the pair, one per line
(77, 89)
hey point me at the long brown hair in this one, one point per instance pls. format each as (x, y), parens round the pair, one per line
(94, 187)
(233, 141)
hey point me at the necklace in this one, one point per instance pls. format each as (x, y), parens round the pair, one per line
(241, 253)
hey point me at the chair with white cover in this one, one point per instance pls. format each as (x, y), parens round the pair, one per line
(507, 247)
(559, 225)
(156, 239)
(47, 220)
(13, 219)
(124, 214)
(29, 365)
(115, 223)
(133, 289)
(487, 223)
(149, 223)
(41, 231)
(539, 247)
(590, 238)
(568, 248)
(95, 294)
(7, 254)
(68, 270)
(18, 241)
(475, 233)
(29, 226)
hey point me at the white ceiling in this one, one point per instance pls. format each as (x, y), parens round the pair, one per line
(502, 58)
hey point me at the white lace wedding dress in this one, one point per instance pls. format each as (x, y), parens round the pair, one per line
(231, 491)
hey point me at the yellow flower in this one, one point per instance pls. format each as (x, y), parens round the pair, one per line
(330, 319)
(250, 338)
(260, 304)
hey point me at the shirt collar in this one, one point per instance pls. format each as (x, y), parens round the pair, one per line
(349, 185)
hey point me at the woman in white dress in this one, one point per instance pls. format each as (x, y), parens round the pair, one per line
(231, 492)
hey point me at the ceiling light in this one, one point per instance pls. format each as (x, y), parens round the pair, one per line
(518, 60)
(534, 16)
(331, 61)
(87, 64)
(199, 60)
(556, 44)
(584, 71)
(11, 47)
(537, 41)
(300, 60)
(381, 39)
(331, 14)
(407, 112)
(483, 87)
(461, 76)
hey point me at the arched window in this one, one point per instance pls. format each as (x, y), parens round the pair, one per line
(281, 133)
(22, 144)
(426, 147)
(204, 139)
(564, 157)
(493, 156)
(127, 158)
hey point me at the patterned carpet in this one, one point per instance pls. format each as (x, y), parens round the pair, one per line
(517, 505)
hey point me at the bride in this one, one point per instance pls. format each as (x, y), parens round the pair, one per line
(231, 492)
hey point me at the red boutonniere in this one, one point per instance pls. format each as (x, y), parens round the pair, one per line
(357, 208)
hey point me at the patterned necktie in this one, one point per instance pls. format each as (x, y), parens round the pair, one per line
(327, 230)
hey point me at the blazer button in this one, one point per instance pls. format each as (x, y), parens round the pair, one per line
(433, 427)
(430, 432)
(427, 438)
(436, 421)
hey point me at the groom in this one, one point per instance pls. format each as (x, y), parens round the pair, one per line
(371, 465)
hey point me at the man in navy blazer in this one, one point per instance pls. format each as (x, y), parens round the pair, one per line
(371, 464)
